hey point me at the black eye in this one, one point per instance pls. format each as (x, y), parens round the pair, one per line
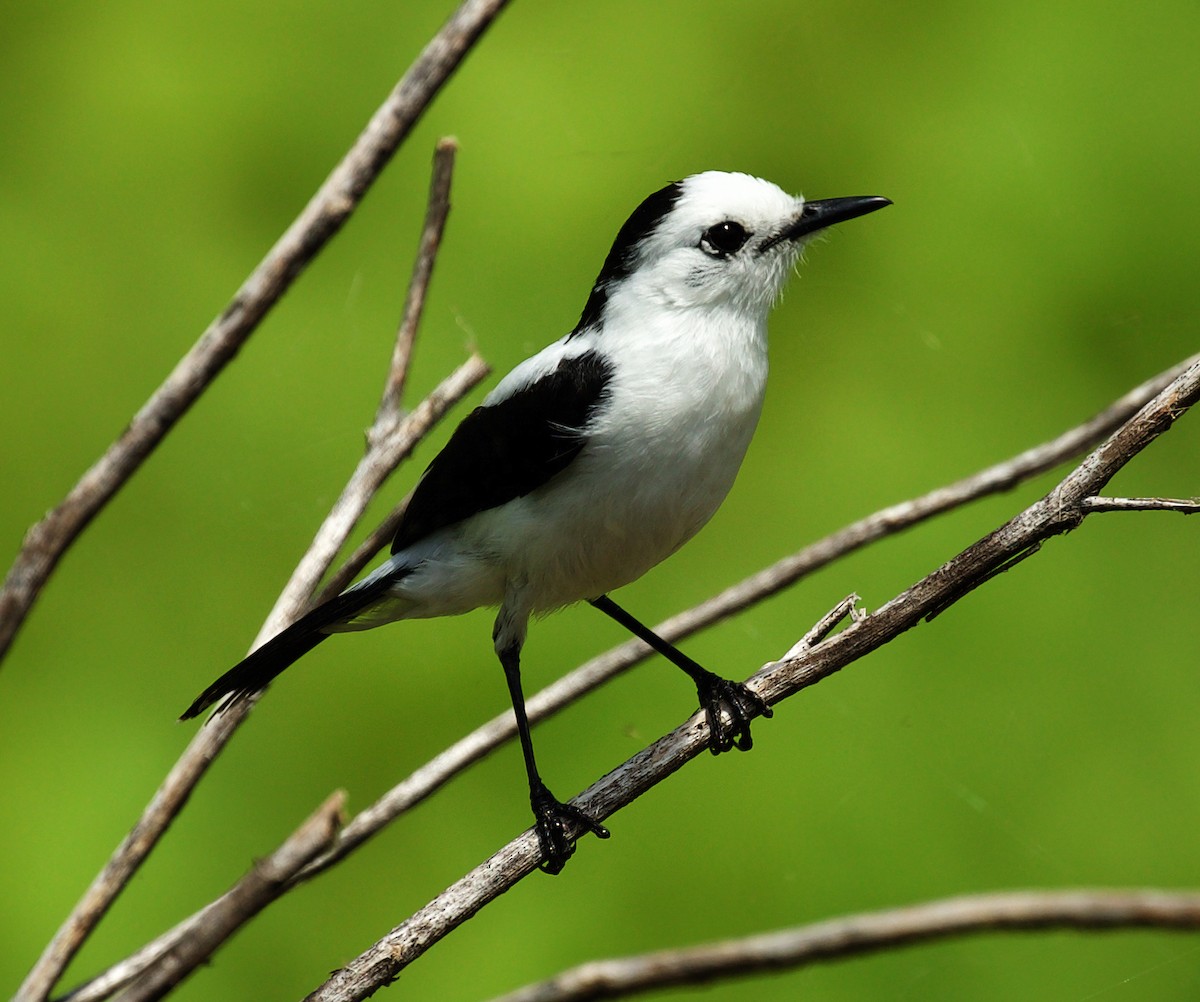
(724, 239)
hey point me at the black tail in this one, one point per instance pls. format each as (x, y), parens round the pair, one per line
(258, 669)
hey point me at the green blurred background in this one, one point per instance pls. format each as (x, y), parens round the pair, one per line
(1039, 261)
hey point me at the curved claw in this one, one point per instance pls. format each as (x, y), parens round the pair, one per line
(555, 822)
(729, 707)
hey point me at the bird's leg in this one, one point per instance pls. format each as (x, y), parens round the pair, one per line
(728, 706)
(556, 822)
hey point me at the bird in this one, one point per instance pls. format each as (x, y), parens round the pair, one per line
(596, 458)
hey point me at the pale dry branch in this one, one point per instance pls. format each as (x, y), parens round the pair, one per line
(322, 217)
(414, 304)
(763, 584)
(243, 901)
(392, 435)
(208, 742)
(386, 448)
(438, 771)
(1185, 506)
(838, 939)
(1059, 512)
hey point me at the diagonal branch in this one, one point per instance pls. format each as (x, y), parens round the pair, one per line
(759, 586)
(390, 445)
(1057, 513)
(1185, 506)
(316, 225)
(437, 772)
(392, 436)
(170, 798)
(838, 939)
(243, 901)
(414, 304)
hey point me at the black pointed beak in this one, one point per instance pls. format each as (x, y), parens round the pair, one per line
(816, 215)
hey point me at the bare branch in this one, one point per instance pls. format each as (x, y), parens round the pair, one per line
(243, 901)
(391, 436)
(771, 580)
(414, 305)
(390, 445)
(1057, 513)
(387, 447)
(825, 625)
(436, 773)
(208, 742)
(193, 763)
(866, 933)
(167, 801)
(763, 584)
(1185, 506)
(324, 215)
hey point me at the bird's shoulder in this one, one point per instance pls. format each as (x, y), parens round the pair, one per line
(528, 429)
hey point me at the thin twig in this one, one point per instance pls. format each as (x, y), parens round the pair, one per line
(1057, 513)
(170, 797)
(838, 939)
(437, 772)
(208, 742)
(324, 215)
(763, 584)
(825, 625)
(414, 304)
(364, 553)
(242, 902)
(1185, 506)
(391, 436)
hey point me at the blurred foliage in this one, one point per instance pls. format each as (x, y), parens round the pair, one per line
(1038, 262)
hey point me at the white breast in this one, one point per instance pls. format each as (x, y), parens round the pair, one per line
(662, 454)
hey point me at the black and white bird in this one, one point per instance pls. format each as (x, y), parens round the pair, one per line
(596, 458)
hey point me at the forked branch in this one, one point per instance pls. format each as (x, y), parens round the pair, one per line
(390, 441)
(330, 207)
(436, 773)
(1059, 512)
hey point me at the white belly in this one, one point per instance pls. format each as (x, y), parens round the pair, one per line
(662, 453)
(660, 459)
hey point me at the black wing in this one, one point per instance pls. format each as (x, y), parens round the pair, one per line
(504, 450)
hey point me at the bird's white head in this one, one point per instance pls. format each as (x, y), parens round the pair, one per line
(714, 240)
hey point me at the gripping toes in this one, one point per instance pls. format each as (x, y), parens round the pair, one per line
(729, 707)
(555, 823)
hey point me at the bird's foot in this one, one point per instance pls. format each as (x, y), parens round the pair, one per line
(729, 707)
(558, 825)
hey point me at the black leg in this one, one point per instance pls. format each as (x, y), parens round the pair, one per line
(555, 821)
(720, 698)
